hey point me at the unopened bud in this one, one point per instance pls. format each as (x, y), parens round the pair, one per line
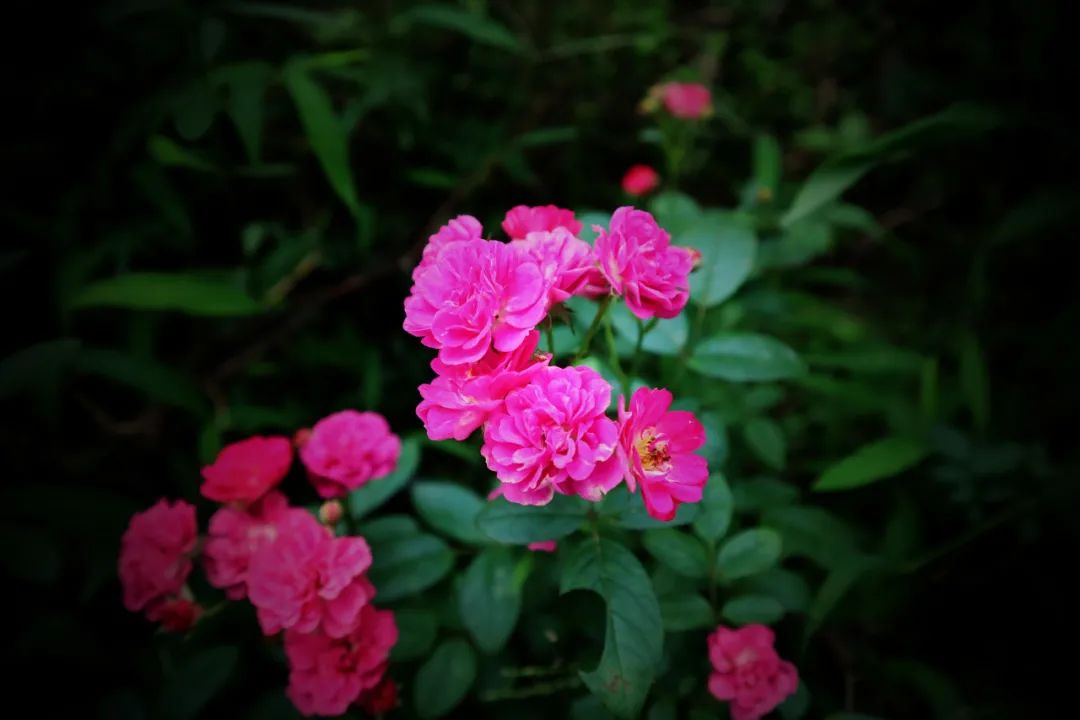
(330, 513)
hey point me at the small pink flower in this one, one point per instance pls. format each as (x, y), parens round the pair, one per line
(475, 295)
(690, 101)
(461, 397)
(176, 615)
(463, 227)
(234, 536)
(657, 449)
(566, 262)
(548, 546)
(244, 471)
(747, 671)
(306, 579)
(640, 180)
(327, 675)
(522, 220)
(347, 449)
(639, 261)
(553, 436)
(155, 554)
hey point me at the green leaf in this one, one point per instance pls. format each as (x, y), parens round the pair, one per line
(717, 506)
(169, 153)
(786, 587)
(748, 553)
(749, 609)
(745, 357)
(246, 85)
(628, 510)
(634, 637)
(388, 527)
(158, 382)
(370, 496)
(407, 565)
(324, 131)
(728, 246)
(811, 532)
(476, 27)
(186, 293)
(837, 583)
(766, 440)
(196, 681)
(490, 597)
(975, 381)
(450, 509)
(795, 707)
(667, 337)
(757, 494)
(878, 460)
(679, 551)
(443, 681)
(768, 166)
(520, 524)
(416, 634)
(686, 612)
(825, 184)
(37, 367)
(675, 212)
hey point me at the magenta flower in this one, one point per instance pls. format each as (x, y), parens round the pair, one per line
(347, 449)
(640, 180)
(306, 579)
(475, 295)
(461, 397)
(463, 227)
(553, 436)
(244, 471)
(327, 675)
(690, 101)
(155, 554)
(522, 220)
(176, 615)
(657, 449)
(639, 261)
(566, 262)
(747, 672)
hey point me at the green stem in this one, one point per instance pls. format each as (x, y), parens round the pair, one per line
(642, 330)
(613, 358)
(587, 340)
(550, 332)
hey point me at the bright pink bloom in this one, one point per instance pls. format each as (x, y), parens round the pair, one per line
(176, 615)
(747, 671)
(566, 261)
(327, 675)
(548, 546)
(657, 449)
(155, 553)
(234, 536)
(347, 449)
(461, 397)
(463, 227)
(553, 436)
(380, 699)
(638, 259)
(690, 101)
(640, 180)
(307, 579)
(244, 471)
(477, 293)
(522, 220)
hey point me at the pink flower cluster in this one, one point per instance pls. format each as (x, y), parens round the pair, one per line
(299, 576)
(546, 429)
(747, 672)
(686, 101)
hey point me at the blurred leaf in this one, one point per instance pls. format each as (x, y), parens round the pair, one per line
(750, 609)
(490, 597)
(768, 166)
(766, 440)
(825, 184)
(195, 111)
(416, 634)
(194, 682)
(853, 217)
(975, 381)
(795, 707)
(388, 527)
(171, 154)
(676, 212)
(37, 366)
(745, 357)
(717, 506)
(757, 494)
(801, 243)
(811, 532)
(686, 612)
(747, 553)
(633, 642)
(187, 293)
(246, 85)
(370, 496)
(678, 551)
(628, 510)
(941, 694)
(158, 382)
(479, 28)
(786, 587)
(728, 246)
(547, 136)
(449, 508)
(837, 583)
(407, 565)
(443, 681)
(876, 461)
(519, 524)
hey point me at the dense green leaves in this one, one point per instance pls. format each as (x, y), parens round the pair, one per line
(449, 508)
(443, 681)
(748, 609)
(766, 439)
(406, 565)
(745, 357)
(416, 634)
(747, 553)
(189, 293)
(717, 507)
(872, 462)
(628, 511)
(685, 612)
(374, 493)
(727, 245)
(511, 523)
(490, 597)
(679, 551)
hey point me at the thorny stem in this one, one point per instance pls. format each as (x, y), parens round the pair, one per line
(587, 340)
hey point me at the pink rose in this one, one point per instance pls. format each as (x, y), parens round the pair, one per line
(327, 675)
(640, 180)
(657, 448)
(747, 671)
(639, 261)
(234, 536)
(306, 579)
(244, 471)
(522, 220)
(566, 262)
(553, 436)
(347, 449)
(475, 295)
(380, 699)
(690, 101)
(461, 397)
(548, 546)
(176, 615)
(155, 554)
(463, 227)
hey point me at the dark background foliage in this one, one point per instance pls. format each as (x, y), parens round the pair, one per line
(122, 150)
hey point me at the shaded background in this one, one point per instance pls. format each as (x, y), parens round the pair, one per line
(161, 136)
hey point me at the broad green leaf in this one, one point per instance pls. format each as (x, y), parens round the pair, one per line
(195, 682)
(717, 506)
(676, 212)
(450, 509)
(324, 130)
(728, 246)
(443, 681)
(490, 597)
(745, 357)
(476, 27)
(628, 510)
(811, 532)
(786, 587)
(749, 609)
(768, 166)
(246, 85)
(387, 528)
(667, 337)
(170, 153)
(157, 381)
(186, 293)
(825, 184)
(795, 707)
(519, 524)
(194, 111)
(416, 634)
(370, 496)
(747, 553)
(758, 494)
(408, 565)
(679, 551)
(686, 612)
(798, 245)
(766, 440)
(37, 367)
(633, 641)
(876, 461)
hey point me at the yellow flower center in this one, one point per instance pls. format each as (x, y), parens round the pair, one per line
(652, 451)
